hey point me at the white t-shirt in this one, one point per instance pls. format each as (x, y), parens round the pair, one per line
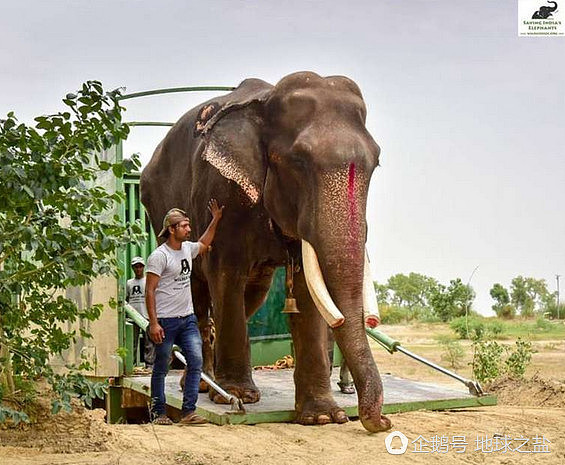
(136, 295)
(173, 296)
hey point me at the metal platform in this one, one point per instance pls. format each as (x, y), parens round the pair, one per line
(277, 397)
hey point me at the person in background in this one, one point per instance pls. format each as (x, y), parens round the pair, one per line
(345, 383)
(135, 296)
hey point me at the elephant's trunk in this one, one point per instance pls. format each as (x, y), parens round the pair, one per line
(554, 6)
(345, 284)
(338, 238)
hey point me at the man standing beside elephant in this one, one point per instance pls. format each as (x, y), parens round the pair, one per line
(171, 310)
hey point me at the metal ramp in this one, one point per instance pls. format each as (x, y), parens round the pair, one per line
(277, 397)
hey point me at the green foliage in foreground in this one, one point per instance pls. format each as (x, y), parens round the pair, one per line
(492, 359)
(57, 230)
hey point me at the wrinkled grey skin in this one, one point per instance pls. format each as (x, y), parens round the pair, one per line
(545, 12)
(288, 162)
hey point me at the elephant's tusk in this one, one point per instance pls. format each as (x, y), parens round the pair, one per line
(370, 304)
(317, 287)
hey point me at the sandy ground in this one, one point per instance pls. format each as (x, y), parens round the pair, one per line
(103, 444)
(533, 410)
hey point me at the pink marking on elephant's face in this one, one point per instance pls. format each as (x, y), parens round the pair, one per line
(343, 201)
(351, 198)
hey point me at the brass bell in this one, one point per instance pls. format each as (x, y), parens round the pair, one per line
(290, 301)
(290, 305)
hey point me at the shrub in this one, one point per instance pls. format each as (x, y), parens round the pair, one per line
(543, 324)
(476, 328)
(453, 352)
(468, 328)
(491, 359)
(551, 308)
(519, 359)
(507, 311)
(392, 314)
(426, 315)
(487, 360)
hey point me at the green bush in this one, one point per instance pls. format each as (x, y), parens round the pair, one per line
(543, 323)
(491, 359)
(393, 314)
(487, 360)
(453, 352)
(476, 328)
(426, 315)
(551, 308)
(519, 359)
(507, 311)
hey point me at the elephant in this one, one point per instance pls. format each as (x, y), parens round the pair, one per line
(545, 12)
(291, 164)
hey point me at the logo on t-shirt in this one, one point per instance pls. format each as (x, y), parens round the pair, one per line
(136, 290)
(185, 267)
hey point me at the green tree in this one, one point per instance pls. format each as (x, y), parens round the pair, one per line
(411, 290)
(528, 294)
(451, 301)
(57, 227)
(502, 307)
(382, 292)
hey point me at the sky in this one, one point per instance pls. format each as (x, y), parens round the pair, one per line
(470, 117)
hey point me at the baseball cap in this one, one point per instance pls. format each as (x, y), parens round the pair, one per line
(173, 216)
(136, 260)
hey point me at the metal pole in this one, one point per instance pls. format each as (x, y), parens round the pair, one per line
(557, 276)
(174, 90)
(467, 303)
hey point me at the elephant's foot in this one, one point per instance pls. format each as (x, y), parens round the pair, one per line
(320, 412)
(382, 424)
(203, 386)
(247, 392)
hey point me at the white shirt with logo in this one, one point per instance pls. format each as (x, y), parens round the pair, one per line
(173, 297)
(135, 289)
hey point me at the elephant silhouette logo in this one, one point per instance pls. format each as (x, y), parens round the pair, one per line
(545, 12)
(185, 266)
(136, 290)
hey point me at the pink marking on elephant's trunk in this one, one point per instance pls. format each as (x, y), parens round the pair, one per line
(352, 200)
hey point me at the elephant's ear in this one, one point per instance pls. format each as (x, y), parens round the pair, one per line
(232, 133)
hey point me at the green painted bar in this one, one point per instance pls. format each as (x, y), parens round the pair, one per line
(132, 207)
(129, 346)
(385, 341)
(122, 260)
(136, 317)
(114, 411)
(143, 223)
(175, 90)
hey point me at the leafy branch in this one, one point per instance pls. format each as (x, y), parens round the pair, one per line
(58, 229)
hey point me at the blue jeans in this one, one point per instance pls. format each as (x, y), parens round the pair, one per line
(183, 332)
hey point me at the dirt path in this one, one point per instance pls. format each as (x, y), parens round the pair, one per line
(533, 409)
(295, 444)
